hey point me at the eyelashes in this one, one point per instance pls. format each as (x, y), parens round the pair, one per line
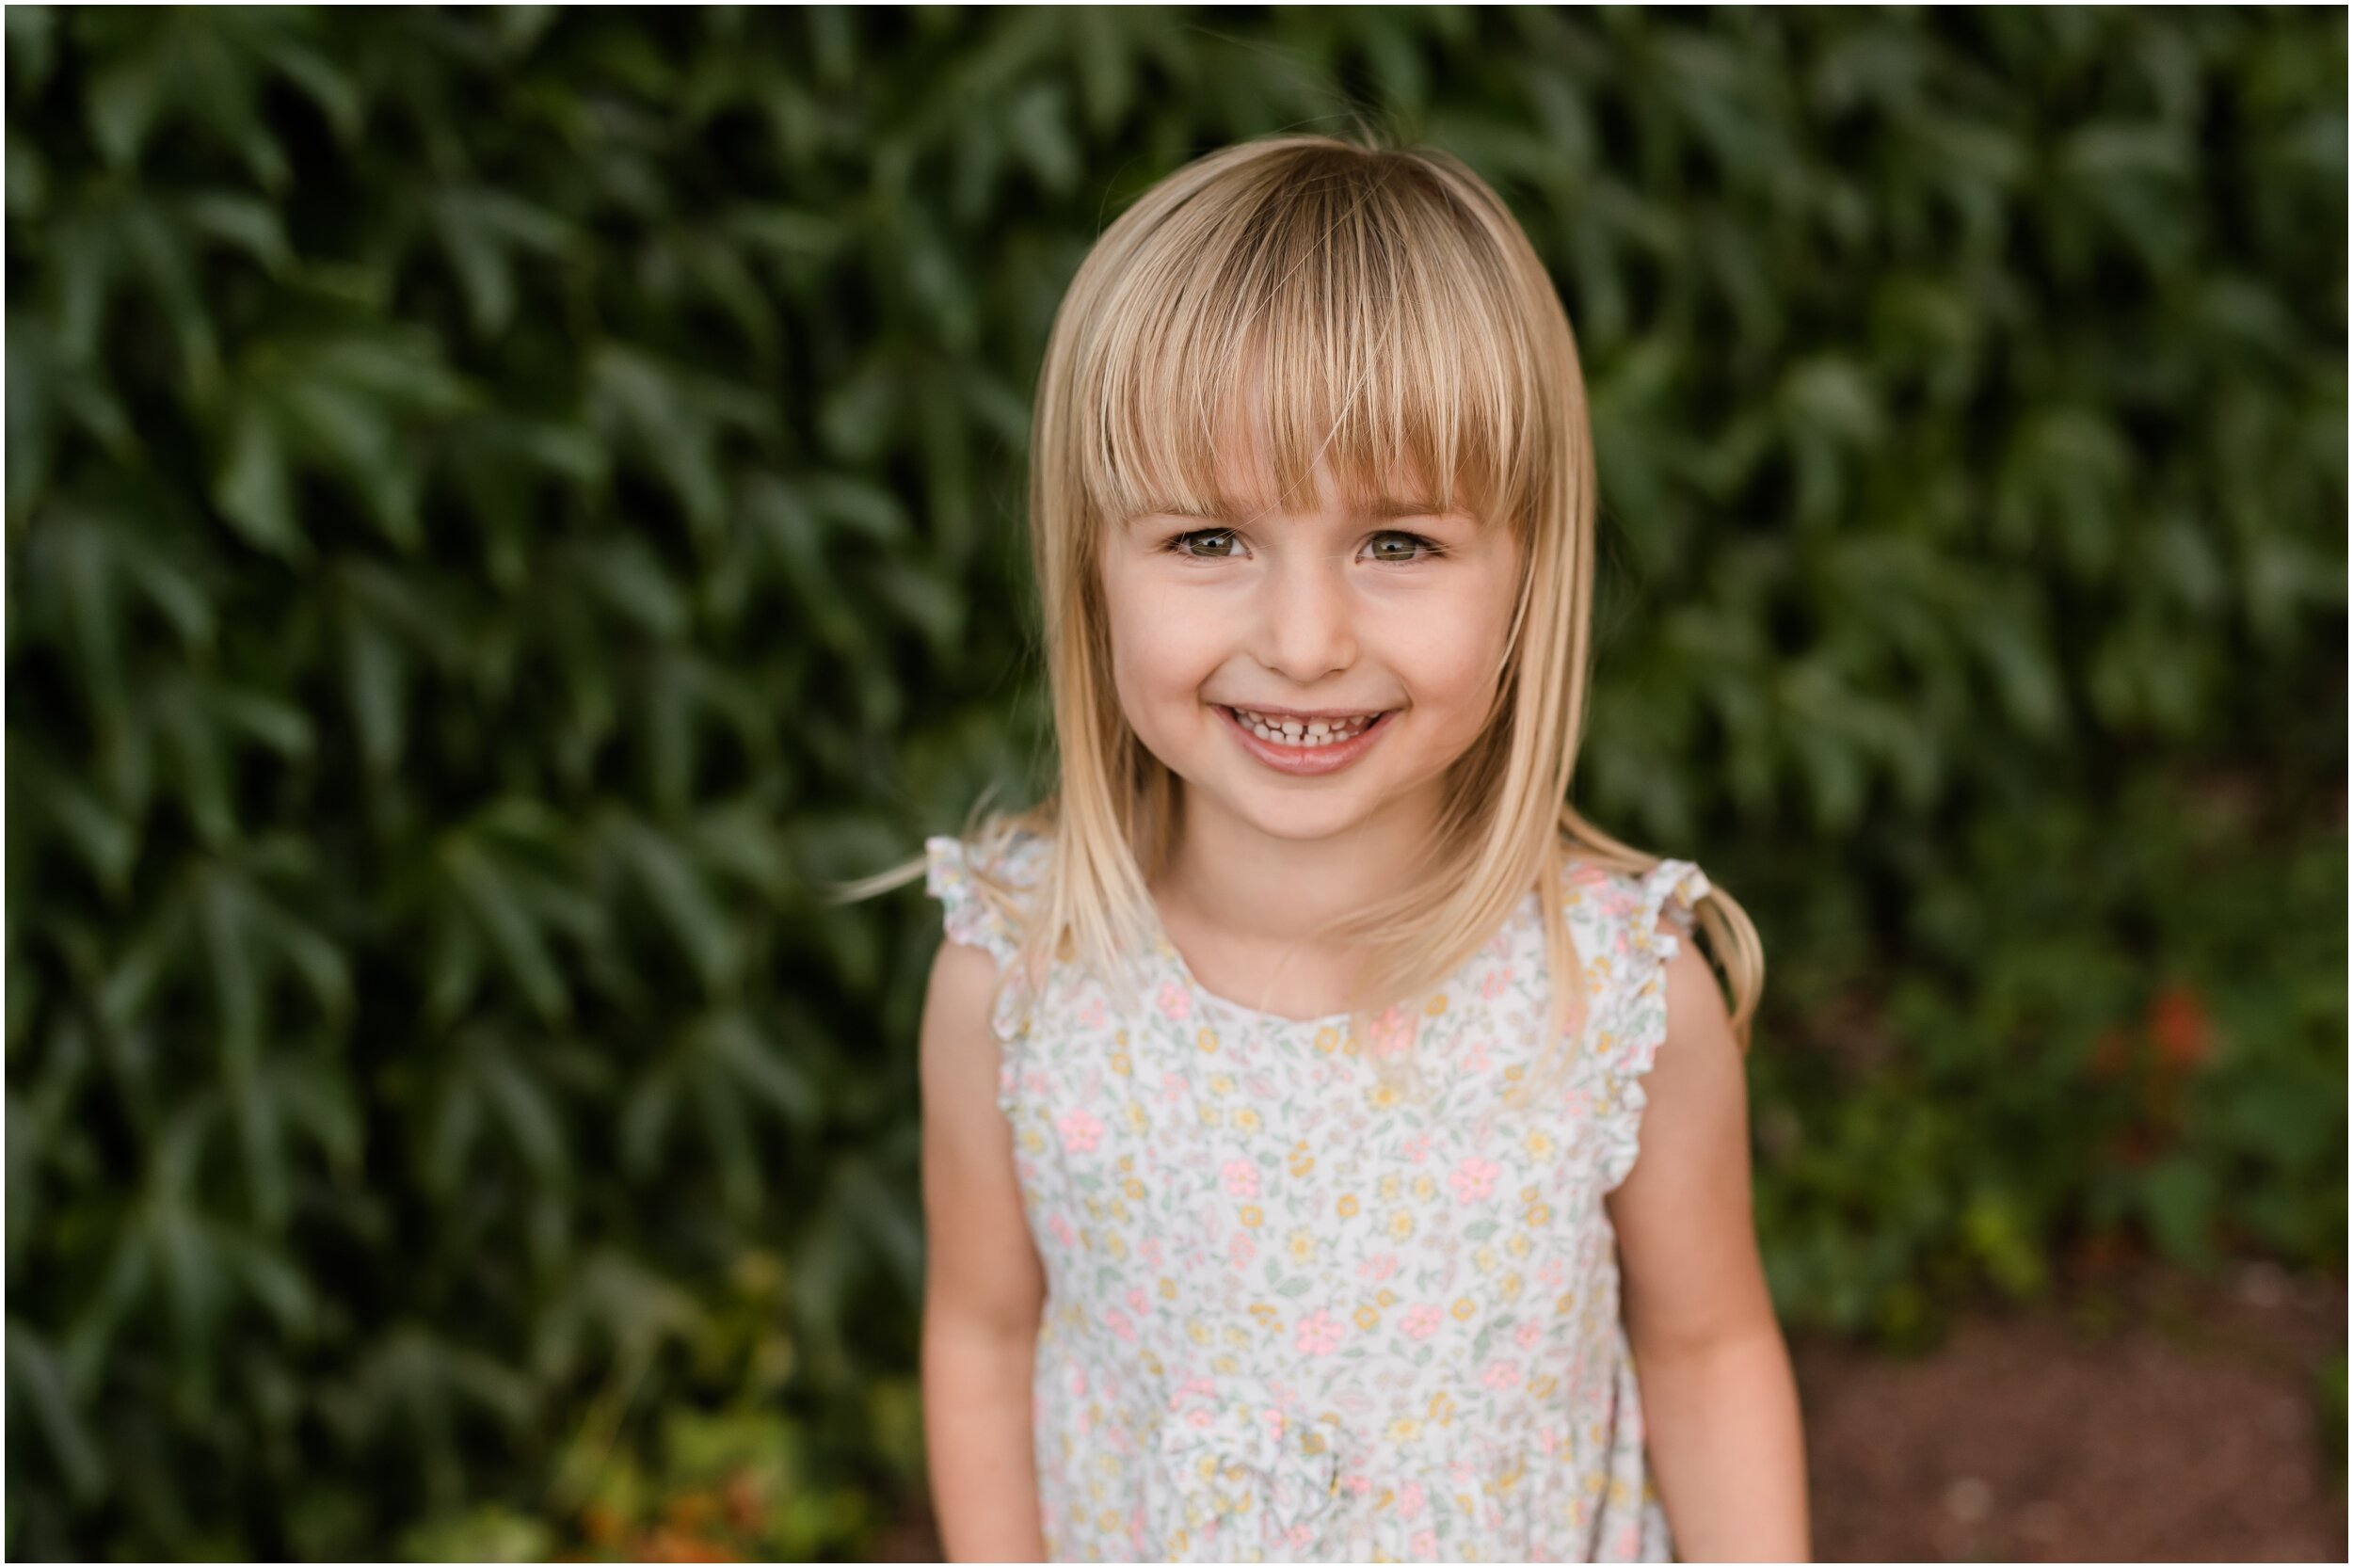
(1180, 545)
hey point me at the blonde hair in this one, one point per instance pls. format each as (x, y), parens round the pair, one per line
(1397, 313)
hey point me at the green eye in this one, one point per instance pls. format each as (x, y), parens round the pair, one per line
(1415, 548)
(1185, 544)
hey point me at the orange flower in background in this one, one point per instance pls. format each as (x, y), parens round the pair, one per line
(2180, 1027)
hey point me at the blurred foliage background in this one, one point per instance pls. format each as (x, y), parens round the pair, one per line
(501, 503)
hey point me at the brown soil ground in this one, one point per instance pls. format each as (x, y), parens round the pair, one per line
(2141, 1414)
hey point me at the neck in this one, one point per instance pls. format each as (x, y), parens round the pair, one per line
(1254, 888)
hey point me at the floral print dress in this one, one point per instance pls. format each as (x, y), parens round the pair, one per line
(1294, 1316)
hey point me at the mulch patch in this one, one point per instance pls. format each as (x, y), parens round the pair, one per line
(2141, 1414)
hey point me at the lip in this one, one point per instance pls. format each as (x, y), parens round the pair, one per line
(1304, 762)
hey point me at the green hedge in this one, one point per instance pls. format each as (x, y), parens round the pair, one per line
(501, 503)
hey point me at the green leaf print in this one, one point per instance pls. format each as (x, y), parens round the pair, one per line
(1480, 1231)
(1295, 1285)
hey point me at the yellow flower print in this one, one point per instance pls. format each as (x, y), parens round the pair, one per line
(1250, 1216)
(1225, 1366)
(1264, 1313)
(1198, 1331)
(1568, 1300)
(1464, 1307)
(1436, 1005)
(1152, 1364)
(1385, 1298)
(1236, 1337)
(1211, 1116)
(1352, 1047)
(1032, 1141)
(1303, 1245)
(1425, 1187)
(1442, 1408)
(1137, 1120)
(1483, 1259)
(1327, 1039)
(1538, 1145)
(1404, 1429)
(1530, 1193)
(1382, 1096)
(1368, 1319)
(1246, 1118)
(1133, 1188)
(1390, 1186)
(1516, 1071)
(1207, 1039)
(1347, 1206)
(1116, 1244)
(1401, 1224)
(1543, 1387)
(1168, 1288)
(1537, 1215)
(1509, 1288)
(1223, 1083)
(1301, 1161)
(1518, 1245)
(1122, 1064)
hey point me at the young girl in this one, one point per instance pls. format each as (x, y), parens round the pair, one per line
(1285, 1074)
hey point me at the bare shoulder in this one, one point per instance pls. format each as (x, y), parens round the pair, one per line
(981, 1267)
(958, 1048)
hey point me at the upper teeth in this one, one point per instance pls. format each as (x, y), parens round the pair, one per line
(1304, 732)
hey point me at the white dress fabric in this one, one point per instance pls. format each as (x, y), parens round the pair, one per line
(1294, 1316)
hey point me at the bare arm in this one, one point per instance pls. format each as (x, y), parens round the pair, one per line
(984, 1286)
(1727, 1446)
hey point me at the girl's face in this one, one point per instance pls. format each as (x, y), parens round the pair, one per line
(1307, 619)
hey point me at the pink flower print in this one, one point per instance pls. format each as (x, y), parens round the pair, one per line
(1553, 1272)
(1360, 1485)
(1319, 1334)
(1176, 1006)
(1119, 1324)
(1242, 1179)
(1546, 1438)
(1416, 1148)
(1496, 980)
(1141, 1303)
(1078, 1383)
(1241, 1249)
(1502, 1374)
(1092, 1014)
(1081, 1130)
(1473, 1178)
(1422, 1321)
(1474, 1059)
(1300, 1534)
(1410, 1498)
(1149, 1253)
(1426, 1546)
(1197, 1419)
(1392, 1031)
(1060, 1228)
(1530, 1333)
(1172, 1087)
(1379, 1266)
(1577, 1103)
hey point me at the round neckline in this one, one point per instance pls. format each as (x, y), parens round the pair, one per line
(1257, 1018)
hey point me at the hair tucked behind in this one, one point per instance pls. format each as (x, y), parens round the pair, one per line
(1388, 312)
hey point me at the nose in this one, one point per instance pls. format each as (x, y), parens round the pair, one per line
(1307, 627)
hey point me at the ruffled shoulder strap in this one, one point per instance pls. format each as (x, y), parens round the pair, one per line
(1633, 1025)
(984, 889)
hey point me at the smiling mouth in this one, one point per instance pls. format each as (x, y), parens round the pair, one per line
(1306, 735)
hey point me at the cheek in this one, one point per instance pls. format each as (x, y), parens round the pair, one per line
(1162, 646)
